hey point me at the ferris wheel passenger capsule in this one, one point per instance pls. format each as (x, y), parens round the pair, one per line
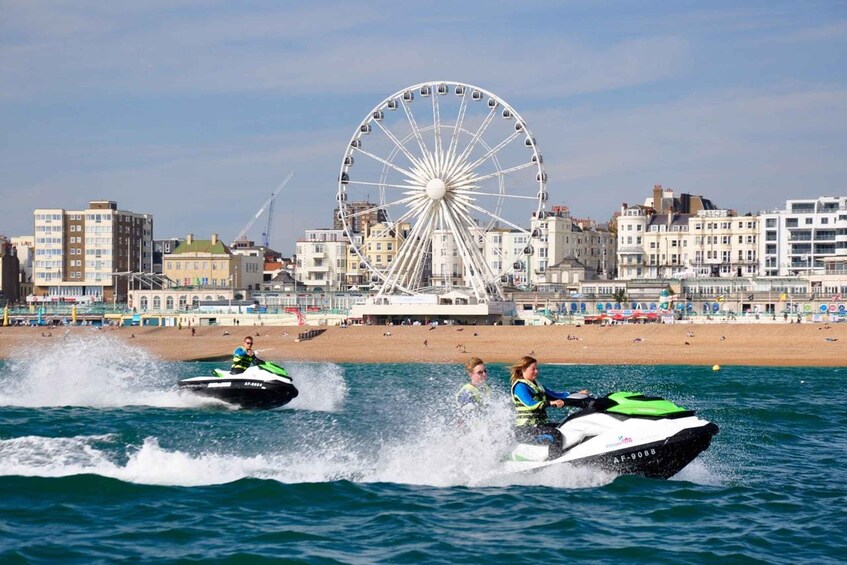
(356, 143)
(378, 115)
(507, 113)
(492, 103)
(529, 141)
(392, 104)
(345, 178)
(536, 158)
(442, 89)
(365, 128)
(425, 90)
(476, 95)
(408, 96)
(460, 90)
(518, 126)
(541, 177)
(348, 160)
(528, 250)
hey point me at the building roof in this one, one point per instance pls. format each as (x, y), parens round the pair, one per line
(201, 246)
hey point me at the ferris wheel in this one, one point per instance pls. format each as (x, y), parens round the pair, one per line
(436, 187)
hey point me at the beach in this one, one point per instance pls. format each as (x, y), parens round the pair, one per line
(770, 344)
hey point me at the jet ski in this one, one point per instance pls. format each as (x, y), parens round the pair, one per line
(264, 385)
(625, 433)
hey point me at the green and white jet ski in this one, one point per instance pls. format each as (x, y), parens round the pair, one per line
(264, 385)
(626, 433)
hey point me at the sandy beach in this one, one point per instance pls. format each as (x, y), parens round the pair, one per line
(774, 344)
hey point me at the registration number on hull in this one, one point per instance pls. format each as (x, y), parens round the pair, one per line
(635, 455)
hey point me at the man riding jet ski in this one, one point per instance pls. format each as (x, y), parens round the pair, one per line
(251, 383)
(626, 433)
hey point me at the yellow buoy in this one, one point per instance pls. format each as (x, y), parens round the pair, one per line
(716, 367)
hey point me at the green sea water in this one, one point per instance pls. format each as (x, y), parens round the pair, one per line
(103, 460)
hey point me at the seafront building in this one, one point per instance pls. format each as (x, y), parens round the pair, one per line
(805, 236)
(685, 236)
(10, 273)
(322, 260)
(86, 255)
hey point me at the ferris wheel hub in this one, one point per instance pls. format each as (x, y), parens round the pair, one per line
(436, 189)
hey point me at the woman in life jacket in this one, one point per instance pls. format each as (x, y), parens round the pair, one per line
(531, 400)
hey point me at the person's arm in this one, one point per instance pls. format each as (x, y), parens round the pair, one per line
(524, 394)
(555, 394)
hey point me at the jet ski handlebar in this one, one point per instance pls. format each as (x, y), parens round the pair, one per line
(578, 400)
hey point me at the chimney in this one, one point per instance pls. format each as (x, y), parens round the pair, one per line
(189, 239)
(657, 197)
(214, 238)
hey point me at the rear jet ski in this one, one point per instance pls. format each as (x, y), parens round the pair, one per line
(626, 433)
(265, 385)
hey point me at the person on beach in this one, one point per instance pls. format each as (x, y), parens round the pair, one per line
(531, 400)
(474, 395)
(244, 357)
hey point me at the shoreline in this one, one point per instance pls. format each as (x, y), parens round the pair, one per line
(774, 344)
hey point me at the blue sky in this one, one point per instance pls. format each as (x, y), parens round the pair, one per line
(194, 111)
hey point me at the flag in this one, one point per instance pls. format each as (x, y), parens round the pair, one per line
(836, 298)
(750, 297)
(721, 298)
(783, 297)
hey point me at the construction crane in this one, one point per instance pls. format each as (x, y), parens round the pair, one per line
(269, 203)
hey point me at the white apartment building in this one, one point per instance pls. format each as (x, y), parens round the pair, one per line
(712, 243)
(82, 253)
(721, 244)
(322, 259)
(804, 236)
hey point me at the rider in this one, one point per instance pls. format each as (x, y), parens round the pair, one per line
(531, 400)
(244, 357)
(474, 395)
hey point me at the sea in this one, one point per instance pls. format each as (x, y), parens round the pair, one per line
(103, 460)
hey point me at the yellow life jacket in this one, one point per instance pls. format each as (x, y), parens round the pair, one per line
(535, 414)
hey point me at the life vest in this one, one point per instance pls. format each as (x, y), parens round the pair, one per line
(477, 394)
(241, 362)
(533, 415)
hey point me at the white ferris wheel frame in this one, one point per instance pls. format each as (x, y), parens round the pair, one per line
(442, 187)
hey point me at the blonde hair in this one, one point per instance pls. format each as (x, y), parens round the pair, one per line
(518, 368)
(473, 362)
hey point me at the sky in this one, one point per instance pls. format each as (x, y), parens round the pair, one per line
(195, 111)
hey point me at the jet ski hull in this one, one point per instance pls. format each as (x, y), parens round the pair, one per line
(243, 392)
(624, 434)
(656, 460)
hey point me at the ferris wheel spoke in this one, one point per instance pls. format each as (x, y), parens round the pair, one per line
(410, 117)
(371, 210)
(504, 172)
(496, 217)
(458, 128)
(436, 126)
(385, 162)
(384, 185)
(496, 194)
(494, 150)
(398, 145)
(406, 256)
(478, 135)
(471, 256)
